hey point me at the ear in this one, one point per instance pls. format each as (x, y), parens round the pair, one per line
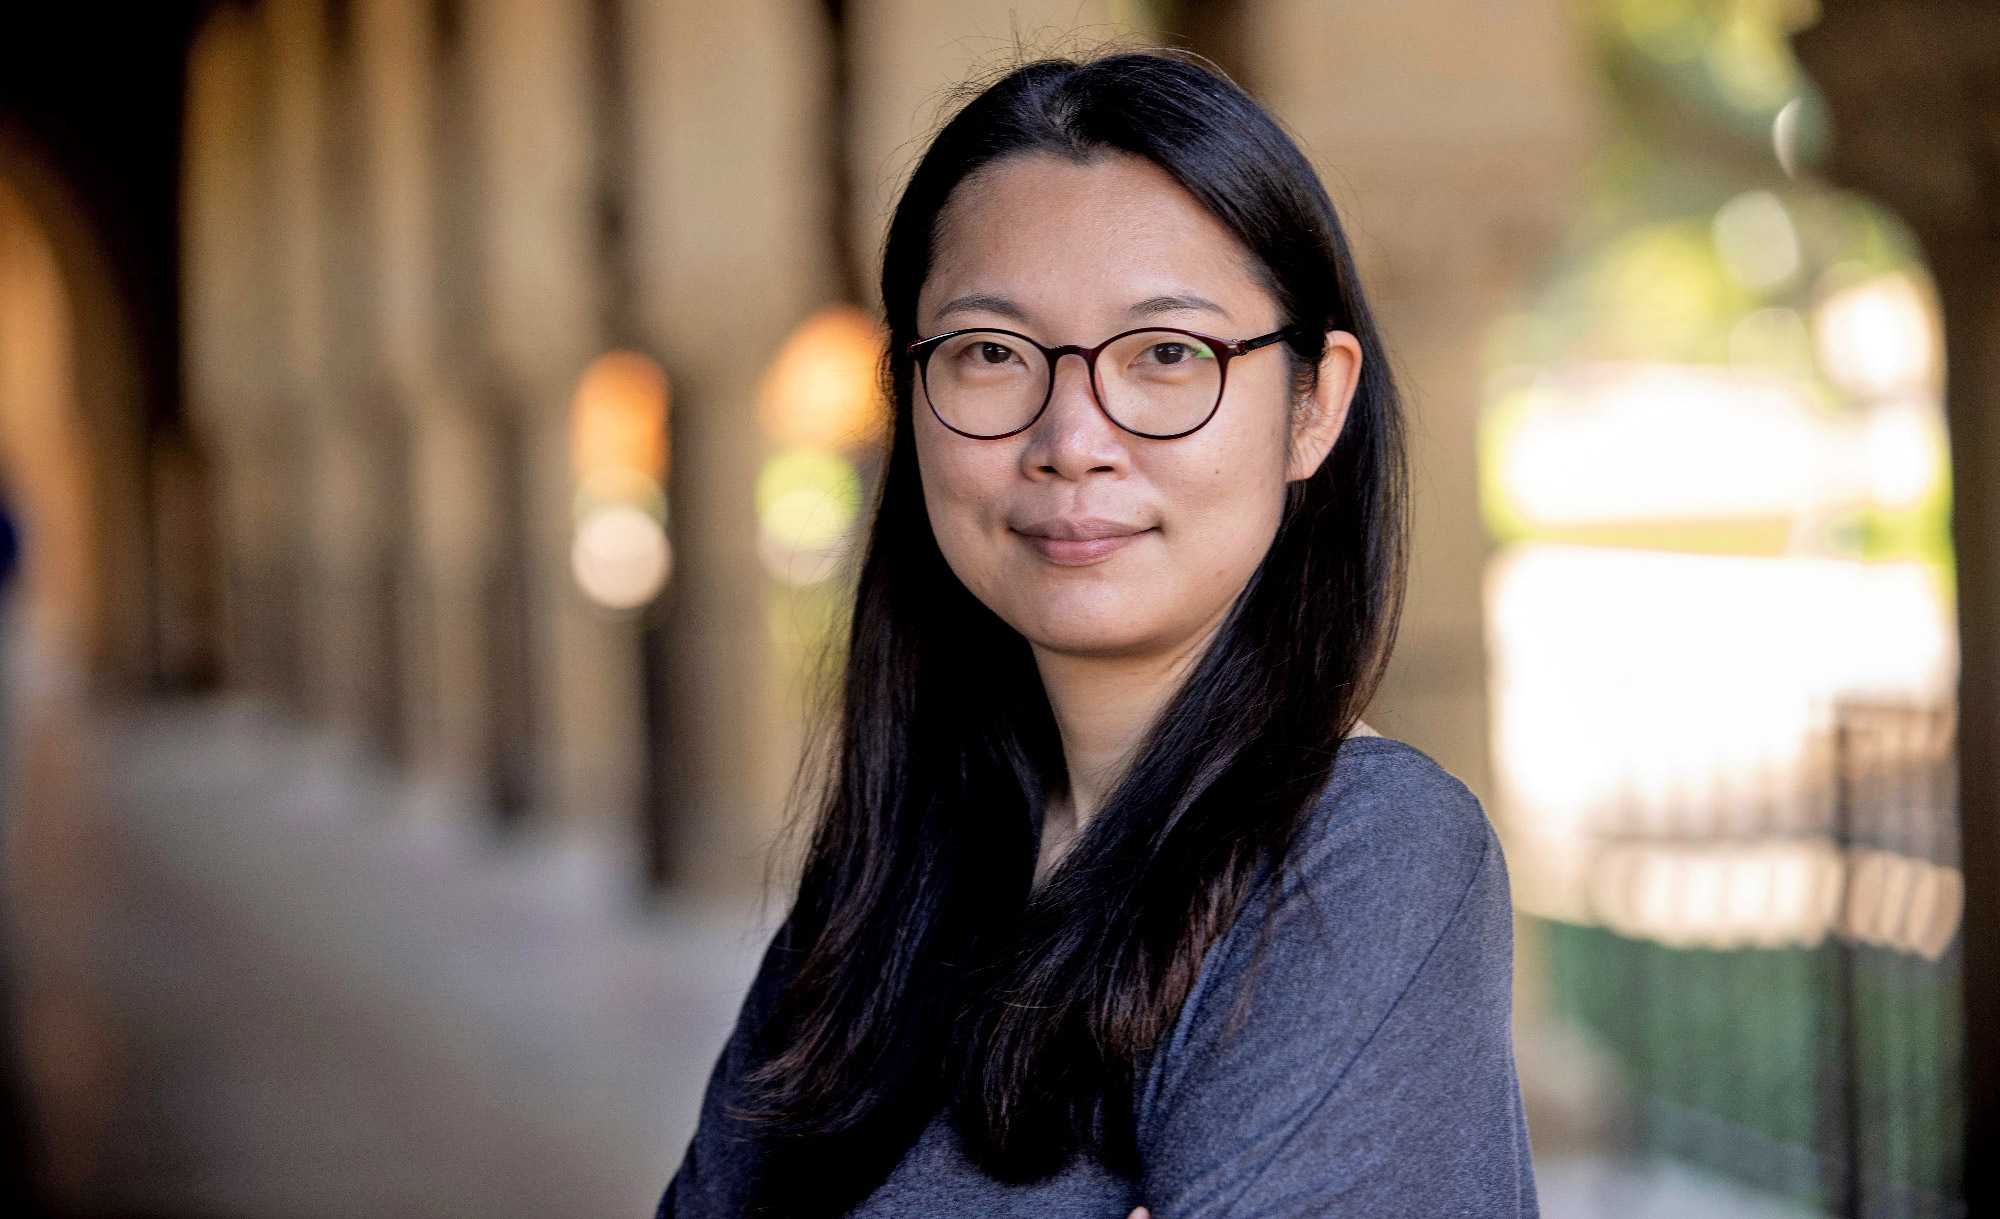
(1323, 412)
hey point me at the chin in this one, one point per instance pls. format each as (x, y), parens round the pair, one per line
(1097, 633)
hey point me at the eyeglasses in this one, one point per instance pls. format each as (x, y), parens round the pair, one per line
(1159, 383)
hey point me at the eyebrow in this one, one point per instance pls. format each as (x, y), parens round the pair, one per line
(984, 302)
(1176, 303)
(1152, 306)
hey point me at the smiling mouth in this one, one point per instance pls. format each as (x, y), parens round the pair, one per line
(1079, 543)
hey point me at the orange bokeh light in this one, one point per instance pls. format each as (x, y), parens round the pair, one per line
(618, 418)
(823, 391)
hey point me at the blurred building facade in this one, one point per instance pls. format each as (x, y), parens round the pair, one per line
(411, 225)
(504, 428)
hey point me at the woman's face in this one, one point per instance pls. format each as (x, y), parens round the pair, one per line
(1087, 539)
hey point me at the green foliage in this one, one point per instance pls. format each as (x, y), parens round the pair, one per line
(1764, 1051)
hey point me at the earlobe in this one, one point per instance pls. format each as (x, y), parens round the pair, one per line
(1325, 415)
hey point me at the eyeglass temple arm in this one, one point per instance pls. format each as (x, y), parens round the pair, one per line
(1262, 340)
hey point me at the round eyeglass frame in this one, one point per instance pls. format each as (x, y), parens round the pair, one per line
(1225, 351)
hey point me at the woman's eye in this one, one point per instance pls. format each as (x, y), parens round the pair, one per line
(1170, 353)
(995, 353)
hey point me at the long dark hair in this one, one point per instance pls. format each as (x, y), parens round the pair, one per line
(924, 971)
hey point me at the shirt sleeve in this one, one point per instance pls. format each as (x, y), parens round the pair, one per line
(1351, 1054)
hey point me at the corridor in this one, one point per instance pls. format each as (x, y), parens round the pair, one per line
(286, 998)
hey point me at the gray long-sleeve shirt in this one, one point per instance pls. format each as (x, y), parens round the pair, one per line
(1370, 1074)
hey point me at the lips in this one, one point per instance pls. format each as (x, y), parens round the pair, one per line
(1078, 543)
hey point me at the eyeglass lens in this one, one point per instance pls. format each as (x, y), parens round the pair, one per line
(1155, 382)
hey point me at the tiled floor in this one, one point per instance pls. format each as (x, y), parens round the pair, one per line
(278, 996)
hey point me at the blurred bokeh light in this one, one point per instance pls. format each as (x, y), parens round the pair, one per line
(821, 401)
(618, 450)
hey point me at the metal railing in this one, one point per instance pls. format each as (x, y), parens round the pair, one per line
(1826, 1071)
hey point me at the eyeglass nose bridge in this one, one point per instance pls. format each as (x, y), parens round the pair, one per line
(1054, 357)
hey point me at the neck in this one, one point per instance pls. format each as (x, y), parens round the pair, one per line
(1104, 708)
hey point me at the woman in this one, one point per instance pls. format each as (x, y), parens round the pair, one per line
(1113, 903)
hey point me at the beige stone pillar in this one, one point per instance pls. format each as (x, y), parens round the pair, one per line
(1451, 134)
(730, 228)
(444, 655)
(910, 56)
(350, 491)
(229, 320)
(294, 55)
(45, 453)
(541, 266)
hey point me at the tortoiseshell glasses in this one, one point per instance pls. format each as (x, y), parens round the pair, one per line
(1159, 382)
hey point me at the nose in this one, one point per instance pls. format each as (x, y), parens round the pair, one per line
(1073, 438)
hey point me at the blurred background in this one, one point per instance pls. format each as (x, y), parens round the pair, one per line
(431, 432)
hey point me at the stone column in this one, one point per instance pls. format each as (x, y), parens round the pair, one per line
(444, 657)
(1914, 88)
(908, 59)
(728, 221)
(47, 458)
(1450, 134)
(231, 366)
(350, 490)
(531, 65)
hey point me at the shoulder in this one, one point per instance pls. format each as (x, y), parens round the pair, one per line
(1394, 863)
(1394, 860)
(1384, 939)
(1392, 826)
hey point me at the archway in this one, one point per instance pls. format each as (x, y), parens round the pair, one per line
(1722, 635)
(73, 620)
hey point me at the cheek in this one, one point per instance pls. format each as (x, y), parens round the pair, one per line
(1229, 493)
(1227, 516)
(962, 489)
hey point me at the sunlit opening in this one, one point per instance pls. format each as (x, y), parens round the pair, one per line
(1725, 532)
(1662, 442)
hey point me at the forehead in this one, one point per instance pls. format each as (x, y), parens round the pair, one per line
(1114, 220)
